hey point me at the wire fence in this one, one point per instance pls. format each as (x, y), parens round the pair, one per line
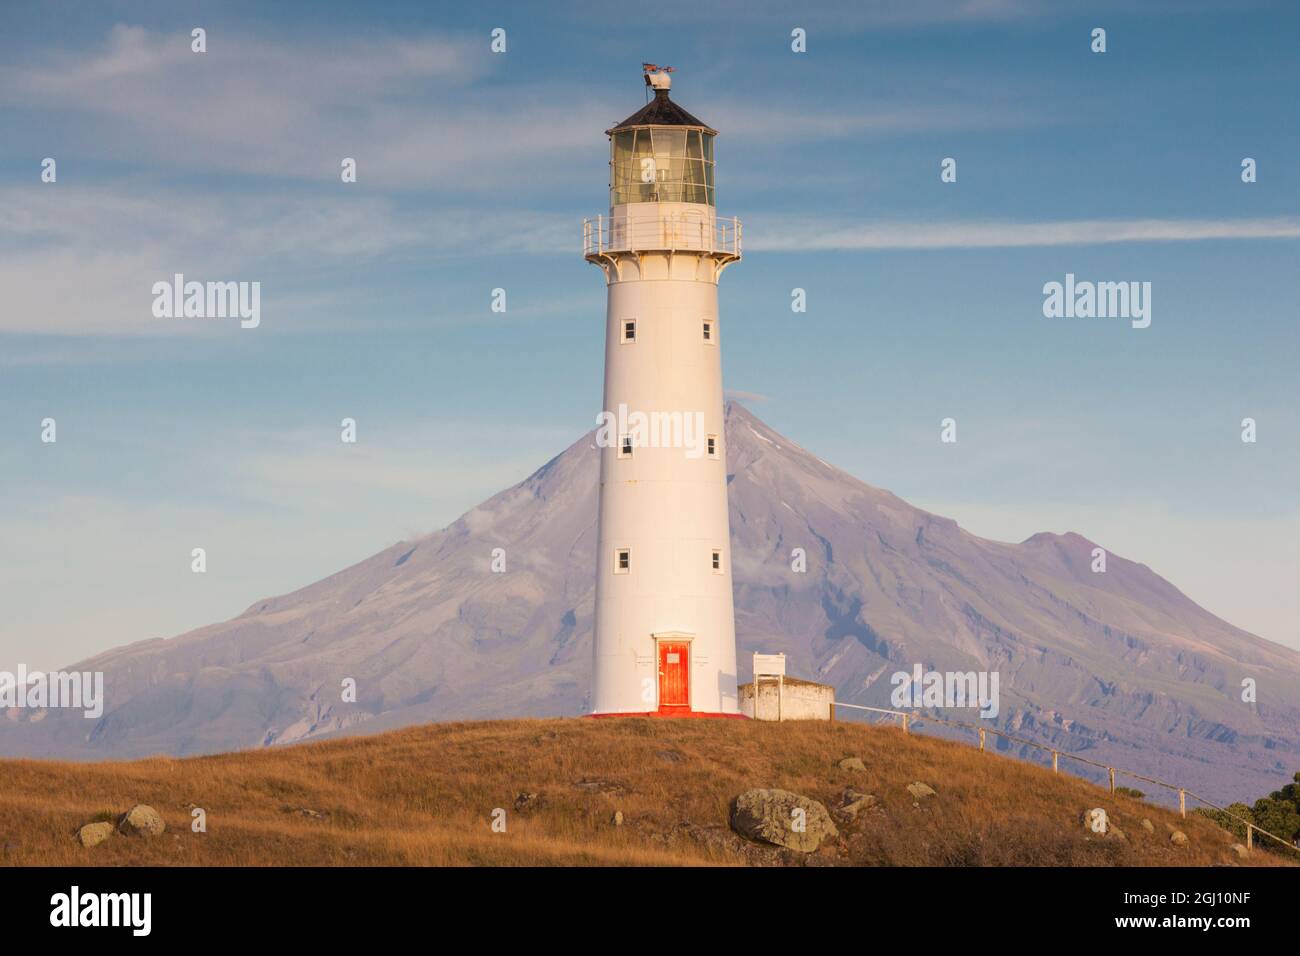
(910, 719)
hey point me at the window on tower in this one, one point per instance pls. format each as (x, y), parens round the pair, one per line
(708, 332)
(622, 561)
(629, 330)
(717, 561)
(713, 446)
(625, 447)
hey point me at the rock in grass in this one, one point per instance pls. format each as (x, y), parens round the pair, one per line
(782, 818)
(142, 820)
(1095, 821)
(919, 790)
(93, 834)
(1178, 838)
(853, 803)
(852, 763)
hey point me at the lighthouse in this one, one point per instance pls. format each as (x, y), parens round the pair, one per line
(665, 640)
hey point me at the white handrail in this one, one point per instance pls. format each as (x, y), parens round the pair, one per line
(664, 233)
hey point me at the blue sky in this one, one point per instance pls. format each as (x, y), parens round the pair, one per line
(474, 172)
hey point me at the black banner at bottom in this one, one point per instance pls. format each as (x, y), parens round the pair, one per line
(500, 905)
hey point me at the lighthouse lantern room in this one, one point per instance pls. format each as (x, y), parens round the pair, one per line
(664, 622)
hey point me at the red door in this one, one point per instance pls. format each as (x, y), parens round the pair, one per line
(674, 676)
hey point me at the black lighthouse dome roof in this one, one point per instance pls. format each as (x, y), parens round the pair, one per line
(662, 111)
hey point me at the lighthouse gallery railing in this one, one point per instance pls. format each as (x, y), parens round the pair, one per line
(601, 234)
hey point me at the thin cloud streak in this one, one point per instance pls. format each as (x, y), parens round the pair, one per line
(805, 235)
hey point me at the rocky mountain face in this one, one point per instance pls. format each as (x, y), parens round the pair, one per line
(1118, 666)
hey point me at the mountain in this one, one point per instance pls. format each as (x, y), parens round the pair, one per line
(1119, 666)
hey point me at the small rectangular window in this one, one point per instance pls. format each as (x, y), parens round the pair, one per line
(622, 561)
(629, 330)
(713, 446)
(708, 332)
(717, 561)
(625, 447)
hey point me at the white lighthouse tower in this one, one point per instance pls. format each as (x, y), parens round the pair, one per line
(665, 641)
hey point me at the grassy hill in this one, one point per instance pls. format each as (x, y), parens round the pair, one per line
(426, 796)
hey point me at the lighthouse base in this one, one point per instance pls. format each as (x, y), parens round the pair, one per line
(675, 712)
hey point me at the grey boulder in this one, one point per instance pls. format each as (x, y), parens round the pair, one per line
(782, 818)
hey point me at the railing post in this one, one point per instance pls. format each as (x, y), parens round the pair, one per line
(1112, 779)
(1182, 802)
(1250, 837)
(981, 740)
(905, 722)
(1054, 756)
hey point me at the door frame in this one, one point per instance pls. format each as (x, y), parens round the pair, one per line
(674, 637)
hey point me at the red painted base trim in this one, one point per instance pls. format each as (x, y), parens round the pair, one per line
(676, 712)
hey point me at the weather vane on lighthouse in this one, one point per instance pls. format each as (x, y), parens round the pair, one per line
(665, 637)
(657, 77)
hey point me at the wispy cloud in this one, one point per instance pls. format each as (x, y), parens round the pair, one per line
(315, 471)
(82, 260)
(801, 234)
(853, 18)
(414, 112)
(398, 105)
(794, 123)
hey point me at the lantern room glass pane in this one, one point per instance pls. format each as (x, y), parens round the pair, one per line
(660, 164)
(642, 173)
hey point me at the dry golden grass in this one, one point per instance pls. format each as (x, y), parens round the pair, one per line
(425, 796)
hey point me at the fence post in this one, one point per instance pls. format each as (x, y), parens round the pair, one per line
(1250, 837)
(981, 739)
(1054, 756)
(1182, 802)
(905, 722)
(1112, 779)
